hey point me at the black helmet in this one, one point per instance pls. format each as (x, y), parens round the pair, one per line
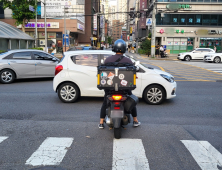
(119, 46)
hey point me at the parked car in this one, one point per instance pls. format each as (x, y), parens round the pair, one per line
(213, 57)
(18, 64)
(76, 75)
(196, 54)
(76, 48)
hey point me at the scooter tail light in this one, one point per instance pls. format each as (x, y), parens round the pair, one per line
(58, 69)
(117, 97)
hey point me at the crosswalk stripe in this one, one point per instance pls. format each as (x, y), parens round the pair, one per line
(2, 138)
(129, 154)
(206, 156)
(50, 152)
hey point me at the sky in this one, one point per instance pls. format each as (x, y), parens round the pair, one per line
(112, 2)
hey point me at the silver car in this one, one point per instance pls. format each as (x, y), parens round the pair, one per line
(19, 64)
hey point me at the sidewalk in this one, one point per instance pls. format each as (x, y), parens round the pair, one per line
(170, 57)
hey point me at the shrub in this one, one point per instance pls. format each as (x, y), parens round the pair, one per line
(2, 51)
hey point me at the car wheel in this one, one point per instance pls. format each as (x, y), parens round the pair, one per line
(7, 76)
(154, 94)
(217, 60)
(68, 93)
(187, 58)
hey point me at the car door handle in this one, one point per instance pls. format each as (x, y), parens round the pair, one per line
(13, 61)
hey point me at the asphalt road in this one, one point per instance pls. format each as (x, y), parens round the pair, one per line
(30, 112)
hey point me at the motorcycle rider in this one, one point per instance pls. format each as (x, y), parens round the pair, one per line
(120, 48)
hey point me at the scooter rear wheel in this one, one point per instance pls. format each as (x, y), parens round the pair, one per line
(117, 133)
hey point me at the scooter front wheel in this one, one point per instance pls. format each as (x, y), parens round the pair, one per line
(117, 133)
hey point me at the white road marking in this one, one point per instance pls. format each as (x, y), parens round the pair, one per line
(129, 154)
(207, 157)
(2, 138)
(50, 152)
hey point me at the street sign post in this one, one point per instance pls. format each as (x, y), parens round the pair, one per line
(149, 22)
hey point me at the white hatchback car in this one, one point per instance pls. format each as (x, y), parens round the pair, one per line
(213, 57)
(196, 54)
(76, 75)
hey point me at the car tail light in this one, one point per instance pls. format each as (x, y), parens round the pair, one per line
(58, 69)
(117, 97)
(116, 108)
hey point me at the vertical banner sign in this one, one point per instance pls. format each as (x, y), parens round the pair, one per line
(95, 22)
(66, 38)
(143, 5)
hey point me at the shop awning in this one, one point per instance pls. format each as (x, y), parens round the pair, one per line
(9, 32)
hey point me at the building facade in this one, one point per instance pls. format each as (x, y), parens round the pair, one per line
(75, 23)
(117, 29)
(195, 24)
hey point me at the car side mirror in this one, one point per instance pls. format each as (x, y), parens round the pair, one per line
(54, 59)
(137, 68)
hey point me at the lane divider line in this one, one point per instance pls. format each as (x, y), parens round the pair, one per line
(206, 156)
(129, 154)
(202, 68)
(2, 138)
(51, 152)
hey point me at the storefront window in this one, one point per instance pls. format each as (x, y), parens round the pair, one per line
(166, 20)
(206, 19)
(220, 20)
(190, 19)
(198, 20)
(214, 19)
(183, 19)
(206, 0)
(174, 20)
(58, 35)
(186, 0)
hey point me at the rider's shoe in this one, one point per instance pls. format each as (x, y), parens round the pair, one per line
(101, 126)
(135, 124)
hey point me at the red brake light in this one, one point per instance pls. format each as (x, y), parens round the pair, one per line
(117, 97)
(58, 69)
(116, 108)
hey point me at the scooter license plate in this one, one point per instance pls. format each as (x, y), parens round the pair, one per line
(117, 114)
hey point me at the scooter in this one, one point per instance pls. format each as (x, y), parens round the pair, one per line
(118, 112)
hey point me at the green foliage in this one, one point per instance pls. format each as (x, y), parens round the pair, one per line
(145, 47)
(2, 51)
(109, 40)
(20, 10)
(38, 48)
(150, 35)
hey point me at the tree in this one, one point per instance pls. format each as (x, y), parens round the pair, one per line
(20, 10)
(109, 40)
(145, 47)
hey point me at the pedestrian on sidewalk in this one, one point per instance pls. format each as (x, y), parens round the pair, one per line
(215, 49)
(157, 51)
(161, 51)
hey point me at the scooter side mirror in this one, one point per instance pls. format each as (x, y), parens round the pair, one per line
(137, 63)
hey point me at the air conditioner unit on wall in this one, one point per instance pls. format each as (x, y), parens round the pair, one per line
(212, 32)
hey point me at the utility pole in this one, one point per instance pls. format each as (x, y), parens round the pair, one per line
(153, 30)
(65, 26)
(46, 50)
(36, 32)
